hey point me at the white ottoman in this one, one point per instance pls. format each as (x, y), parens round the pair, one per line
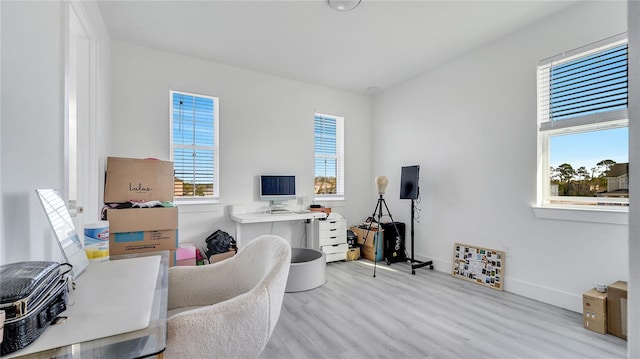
(307, 271)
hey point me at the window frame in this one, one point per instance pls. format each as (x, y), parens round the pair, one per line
(547, 127)
(215, 148)
(340, 156)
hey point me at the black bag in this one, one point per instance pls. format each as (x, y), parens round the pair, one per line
(219, 242)
(394, 247)
(32, 295)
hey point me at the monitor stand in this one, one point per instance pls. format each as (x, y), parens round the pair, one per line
(275, 209)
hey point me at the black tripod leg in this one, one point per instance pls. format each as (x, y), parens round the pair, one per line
(376, 211)
(395, 227)
(375, 236)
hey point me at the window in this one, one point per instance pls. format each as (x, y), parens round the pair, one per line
(194, 145)
(329, 156)
(583, 127)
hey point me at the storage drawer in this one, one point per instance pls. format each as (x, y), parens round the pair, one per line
(333, 225)
(333, 233)
(337, 248)
(336, 257)
(335, 238)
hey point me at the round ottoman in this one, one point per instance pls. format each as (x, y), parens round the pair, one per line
(307, 270)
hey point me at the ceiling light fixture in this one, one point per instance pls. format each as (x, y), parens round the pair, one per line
(344, 5)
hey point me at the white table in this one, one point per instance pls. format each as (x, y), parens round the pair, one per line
(67, 340)
(307, 216)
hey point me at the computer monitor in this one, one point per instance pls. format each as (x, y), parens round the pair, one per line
(277, 188)
(409, 178)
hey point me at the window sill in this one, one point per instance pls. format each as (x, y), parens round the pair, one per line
(330, 201)
(608, 216)
(328, 198)
(185, 201)
(198, 205)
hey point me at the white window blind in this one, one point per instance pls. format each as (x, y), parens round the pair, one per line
(194, 139)
(586, 86)
(329, 155)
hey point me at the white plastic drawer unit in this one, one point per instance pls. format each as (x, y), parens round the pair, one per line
(332, 232)
(332, 237)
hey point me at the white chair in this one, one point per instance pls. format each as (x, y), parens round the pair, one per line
(228, 309)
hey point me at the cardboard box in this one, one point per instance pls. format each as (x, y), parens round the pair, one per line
(135, 179)
(617, 309)
(367, 238)
(221, 256)
(142, 219)
(594, 311)
(142, 241)
(135, 230)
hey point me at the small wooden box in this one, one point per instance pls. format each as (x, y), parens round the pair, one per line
(321, 209)
(221, 256)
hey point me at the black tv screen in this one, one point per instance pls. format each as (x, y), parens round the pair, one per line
(409, 182)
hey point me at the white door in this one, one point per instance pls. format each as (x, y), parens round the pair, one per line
(81, 154)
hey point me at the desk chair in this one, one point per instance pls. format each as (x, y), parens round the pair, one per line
(228, 309)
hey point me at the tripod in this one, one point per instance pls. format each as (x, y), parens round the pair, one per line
(378, 212)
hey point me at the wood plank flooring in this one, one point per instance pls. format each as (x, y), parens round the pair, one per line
(426, 315)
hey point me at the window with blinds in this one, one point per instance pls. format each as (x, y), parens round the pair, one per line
(584, 86)
(329, 156)
(194, 145)
(583, 125)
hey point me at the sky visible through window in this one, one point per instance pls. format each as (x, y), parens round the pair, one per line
(588, 148)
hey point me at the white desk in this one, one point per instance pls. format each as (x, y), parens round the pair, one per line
(309, 217)
(68, 340)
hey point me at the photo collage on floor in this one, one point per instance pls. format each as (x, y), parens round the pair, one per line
(480, 265)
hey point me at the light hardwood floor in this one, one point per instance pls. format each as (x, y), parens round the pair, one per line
(426, 315)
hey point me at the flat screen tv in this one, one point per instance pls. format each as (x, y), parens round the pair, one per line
(409, 177)
(277, 188)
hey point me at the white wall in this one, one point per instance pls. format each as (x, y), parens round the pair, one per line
(633, 305)
(266, 126)
(32, 142)
(471, 125)
(2, 245)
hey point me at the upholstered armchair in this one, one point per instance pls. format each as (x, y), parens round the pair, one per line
(228, 309)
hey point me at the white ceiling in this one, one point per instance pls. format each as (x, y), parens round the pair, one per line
(378, 44)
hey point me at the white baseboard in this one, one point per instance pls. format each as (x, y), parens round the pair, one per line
(543, 294)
